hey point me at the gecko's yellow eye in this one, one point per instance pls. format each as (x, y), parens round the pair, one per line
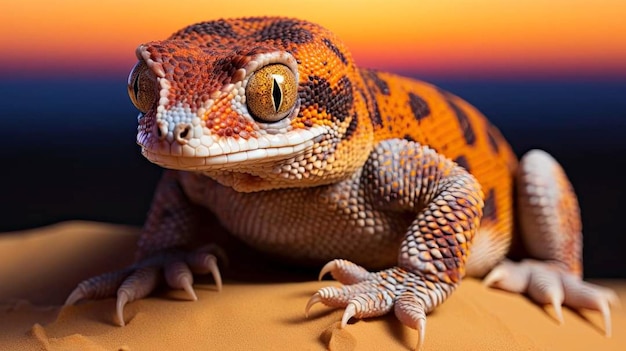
(271, 93)
(142, 87)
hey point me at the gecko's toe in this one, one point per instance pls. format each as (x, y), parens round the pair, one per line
(202, 262)
(179, 270)
(408, 294)
(179, 276)
(215, 272)
(409, 310)
(509, 276)
(122, 300)
(549, 284)
(101, 286)
(138, 285)
(580, 294)
(345, 271)
(139, 280)
(545, 287)
(558, 310)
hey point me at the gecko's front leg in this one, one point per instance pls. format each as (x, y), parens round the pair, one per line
(447, 201)
(168, 229)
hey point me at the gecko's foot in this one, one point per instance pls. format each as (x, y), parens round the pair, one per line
(549, 284)
(368, 294)
(140, 279)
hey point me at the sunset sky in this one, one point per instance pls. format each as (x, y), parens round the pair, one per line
(439, 37)
(550, 74)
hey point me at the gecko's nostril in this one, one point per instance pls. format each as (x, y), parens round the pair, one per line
(185, 132)
(161, 130)
(182, 133)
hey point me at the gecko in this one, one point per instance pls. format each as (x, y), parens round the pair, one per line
(397, 187)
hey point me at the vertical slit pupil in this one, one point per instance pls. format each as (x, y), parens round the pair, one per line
(136, 86)
(277, 95)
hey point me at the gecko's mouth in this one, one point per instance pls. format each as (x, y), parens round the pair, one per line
(208, 152)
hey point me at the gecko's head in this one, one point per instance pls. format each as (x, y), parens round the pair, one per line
(256, 103)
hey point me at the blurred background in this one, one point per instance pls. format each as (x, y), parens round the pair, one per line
(549, 74)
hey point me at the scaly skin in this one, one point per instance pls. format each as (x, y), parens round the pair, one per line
(269, 124)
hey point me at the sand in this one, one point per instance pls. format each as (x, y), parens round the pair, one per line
(38, 268)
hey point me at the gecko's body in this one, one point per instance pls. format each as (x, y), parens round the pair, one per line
(269, 124)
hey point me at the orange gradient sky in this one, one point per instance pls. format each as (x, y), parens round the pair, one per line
(573, 38)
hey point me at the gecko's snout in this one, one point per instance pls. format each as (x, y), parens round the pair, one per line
(182, 133)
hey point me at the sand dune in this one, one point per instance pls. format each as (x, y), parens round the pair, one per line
(40, 267)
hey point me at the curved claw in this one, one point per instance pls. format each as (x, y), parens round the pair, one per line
(606, 315)
(137, 285)
(202, 262)
(76, 295)
(178, 276)
(215, 272)
(345, 272)
(347, 314)
(122, 300)
(580, 294)
(328, 267)
(409, 309)
(558, 310)
(316, 298)
(187, 286)
(421, 331)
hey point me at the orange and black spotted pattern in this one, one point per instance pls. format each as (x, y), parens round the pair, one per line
(418, 111)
